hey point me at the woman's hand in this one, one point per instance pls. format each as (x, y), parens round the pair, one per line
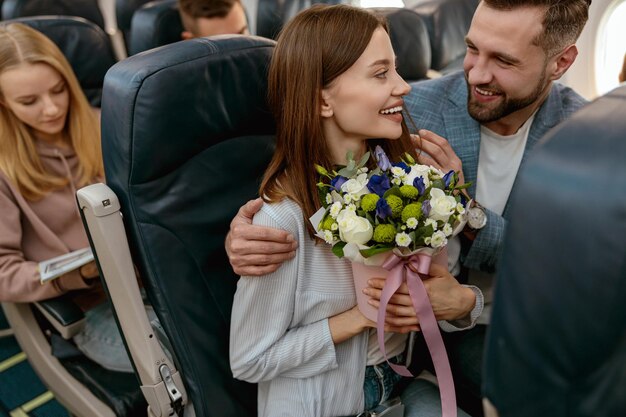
(89, 271)
(345, 325)
(449, 299)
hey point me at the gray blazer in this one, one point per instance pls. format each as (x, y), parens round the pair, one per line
(440, 105)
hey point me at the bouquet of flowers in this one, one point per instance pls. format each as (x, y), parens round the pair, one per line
(390, 221)
(401, 206)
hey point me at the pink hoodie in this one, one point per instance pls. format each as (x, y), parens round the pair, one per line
(33, 231)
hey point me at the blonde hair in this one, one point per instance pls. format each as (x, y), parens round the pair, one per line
(19, 161)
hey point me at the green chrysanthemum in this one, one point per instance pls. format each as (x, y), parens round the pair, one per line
(395, 203)
(384, 233)
(368, 202)
(327, 223)
(412, 210)
(408, 191)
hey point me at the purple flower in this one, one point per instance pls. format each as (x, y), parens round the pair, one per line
(448, 178)
(426, 208)
(378, 184)
(382, 159)
(418, 183)
(404, 166)
(337, 182)
(382, 209)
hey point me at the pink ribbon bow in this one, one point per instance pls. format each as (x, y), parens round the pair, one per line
(413, 266)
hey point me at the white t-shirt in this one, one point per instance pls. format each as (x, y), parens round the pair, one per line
(498, 163)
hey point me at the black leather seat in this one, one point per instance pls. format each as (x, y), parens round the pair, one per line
(186, 138)
(155, 24)
(85, 45)
(272, 15)
(409, 38)
(87, 9)
(448, 22)
(124, 11)
(557, 344)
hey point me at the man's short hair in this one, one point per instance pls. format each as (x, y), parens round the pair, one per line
(206, 8)
(563, 20)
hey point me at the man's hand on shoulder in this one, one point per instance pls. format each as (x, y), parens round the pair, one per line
(257, 250)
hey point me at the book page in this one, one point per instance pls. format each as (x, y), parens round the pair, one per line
(55, 267)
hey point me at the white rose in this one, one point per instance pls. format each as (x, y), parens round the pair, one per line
(417, 171)
(354, 229)
(441, 206)
(356, 187)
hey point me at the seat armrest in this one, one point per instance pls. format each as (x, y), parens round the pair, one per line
(161, 383)
(63, 314)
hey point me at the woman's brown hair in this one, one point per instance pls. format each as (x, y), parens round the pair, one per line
(313, 49)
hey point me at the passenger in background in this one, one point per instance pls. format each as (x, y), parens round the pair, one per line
(212, 17)
(49, 147)
(484, 121)
(297, 331)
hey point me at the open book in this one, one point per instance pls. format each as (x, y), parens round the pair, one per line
(55, 267)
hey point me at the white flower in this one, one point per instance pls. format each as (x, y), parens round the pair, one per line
(347, 198)
(335, 209)
(460, 209)
(411, 222)
(441, 205)
(435, 173)
(328, 237)
(447, 229)
(431, 222)
(427, 240)
(417, 171)
(398, 172)
(438, 239)
(329, 198)
(362, 170)
(356, 187)
(403, 239)
(334, 227)
(351, 207)
(354, 229)
(396, 181)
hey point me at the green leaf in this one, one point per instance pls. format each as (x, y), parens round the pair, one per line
(375, 250)
(321, 170)
(409, 158)
(463, 186)
(338, 249)
(395, 190)
(438, 183)
(364, 160)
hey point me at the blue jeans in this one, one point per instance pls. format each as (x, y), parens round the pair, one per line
(419, 396)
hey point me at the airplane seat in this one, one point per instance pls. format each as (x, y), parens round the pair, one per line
(87, 9)
(155, 24)
(187, 136)
(83, 387)
(272, 15)
(557, 344)
(448, 22)
(85, 45)
(124, 10)
(409, 38)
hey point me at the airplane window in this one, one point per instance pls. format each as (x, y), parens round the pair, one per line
(379, 3)
(611, 47)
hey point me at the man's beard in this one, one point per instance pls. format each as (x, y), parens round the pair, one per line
(484, 114)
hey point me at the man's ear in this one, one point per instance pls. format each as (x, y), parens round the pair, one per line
(563, 61)
(186, 35)
(326, 110)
